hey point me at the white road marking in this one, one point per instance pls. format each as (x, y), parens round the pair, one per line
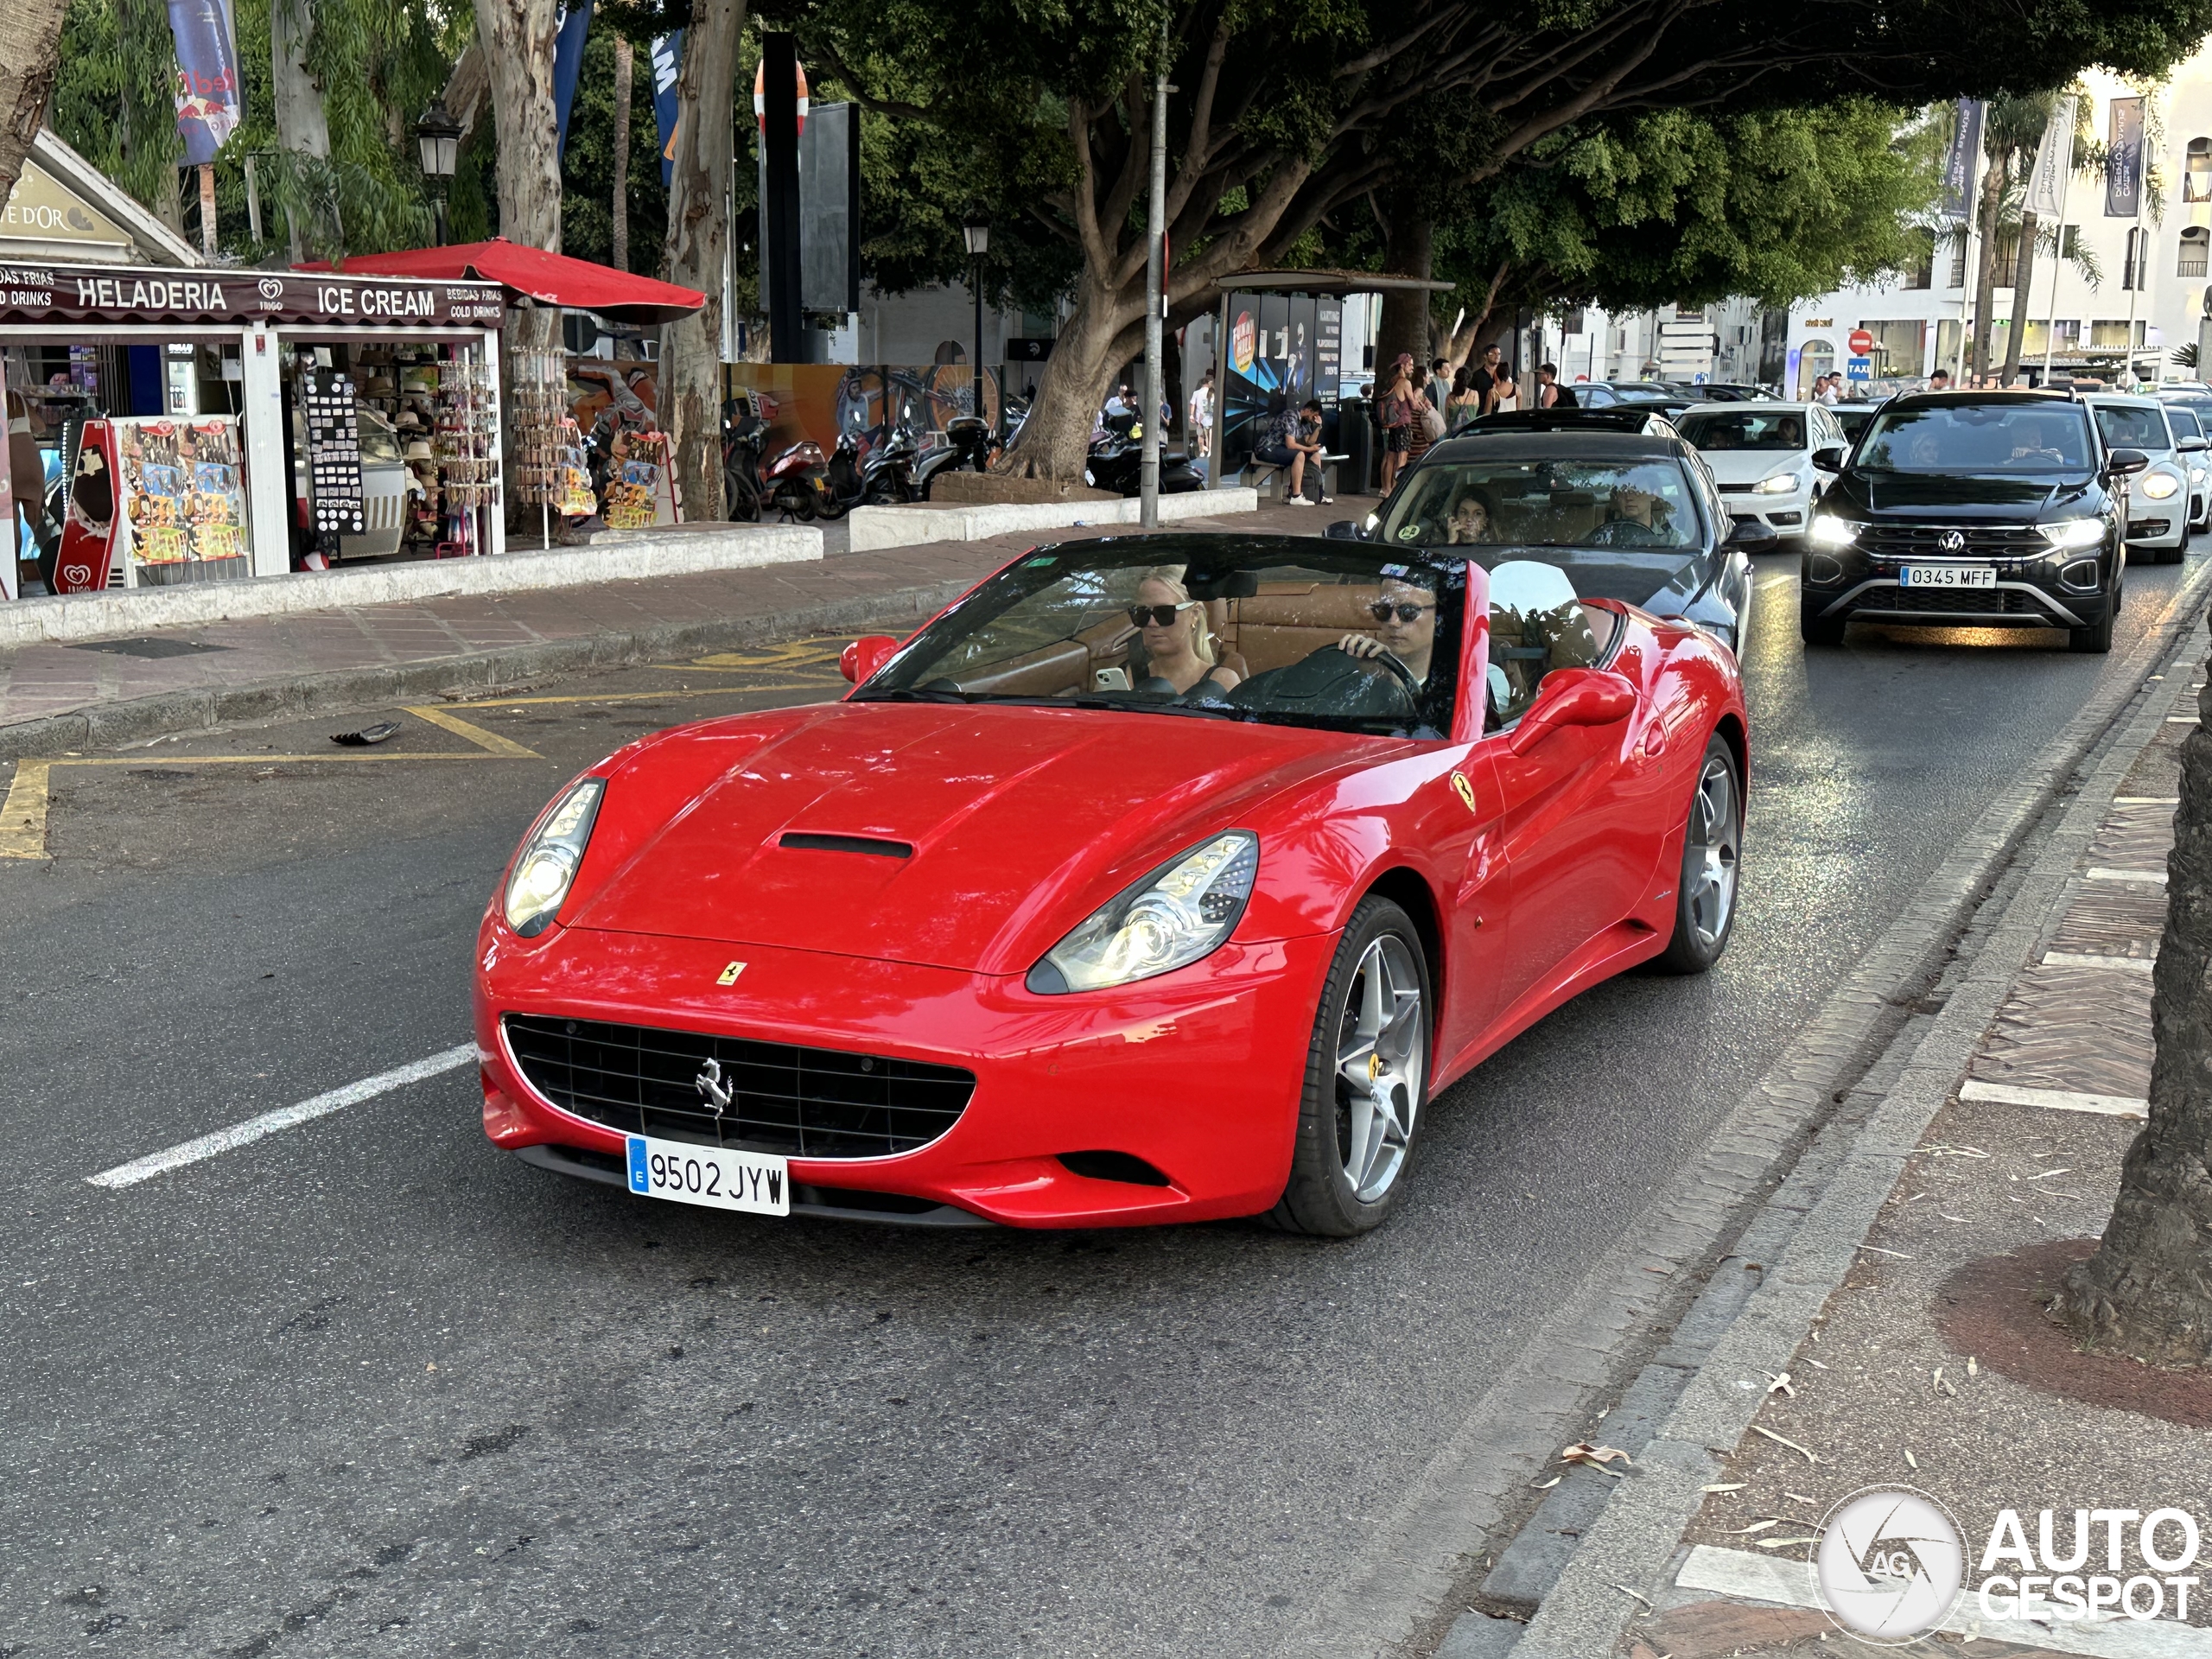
(2103, 872)
(2080, 959)
(2056, 1100)
(254, 1128)
(2147, 800)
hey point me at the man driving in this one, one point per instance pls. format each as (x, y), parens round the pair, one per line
(1405, 617)
(1634, 518)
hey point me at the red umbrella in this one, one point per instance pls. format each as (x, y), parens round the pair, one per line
(548, 278)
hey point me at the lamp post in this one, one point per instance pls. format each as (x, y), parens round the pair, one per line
(437, 140)
(977, 231)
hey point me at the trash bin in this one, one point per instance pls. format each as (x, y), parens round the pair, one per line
(1356, 440)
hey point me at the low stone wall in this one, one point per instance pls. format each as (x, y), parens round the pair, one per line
(875, 528)
(679, 551)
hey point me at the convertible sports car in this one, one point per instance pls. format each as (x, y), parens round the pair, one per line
(1159, 879)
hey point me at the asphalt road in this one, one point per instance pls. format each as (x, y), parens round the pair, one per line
(368, 1385)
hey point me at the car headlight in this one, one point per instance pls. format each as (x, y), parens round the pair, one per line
(1183, 910)
(1780, 484)
(2160, 485)
(2073, 533)
(547, 864)
(1828, 530)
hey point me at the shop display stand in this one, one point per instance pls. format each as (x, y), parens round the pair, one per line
(630, 501)
(536, 411)
(334, 456)
(467, 450)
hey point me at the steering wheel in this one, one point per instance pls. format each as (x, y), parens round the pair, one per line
(1404, 675)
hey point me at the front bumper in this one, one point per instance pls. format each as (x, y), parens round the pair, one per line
(1786, 515)
(1849, 583)
(1197, 1073)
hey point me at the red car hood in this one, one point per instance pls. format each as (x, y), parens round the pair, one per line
(1022, 822)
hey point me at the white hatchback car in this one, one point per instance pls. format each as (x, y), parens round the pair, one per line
(2159, 496)
(1761, 454)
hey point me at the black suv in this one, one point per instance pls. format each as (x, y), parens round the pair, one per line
(1990, 509)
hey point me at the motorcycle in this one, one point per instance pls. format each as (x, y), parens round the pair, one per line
(884, 476)
(1116, 461)
(967, 443)
(743, 433)
(793, 482)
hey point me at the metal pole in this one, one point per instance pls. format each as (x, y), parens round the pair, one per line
(1215, 479)
(975, 280)
(1154, 259)
(2057, 257)
(2137, 246)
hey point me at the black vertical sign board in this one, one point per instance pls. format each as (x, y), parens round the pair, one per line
(779, 206)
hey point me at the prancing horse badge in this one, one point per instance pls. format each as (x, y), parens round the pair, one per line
(728, 975)
(1464, 790)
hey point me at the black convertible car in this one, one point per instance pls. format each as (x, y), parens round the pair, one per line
(1626, 516)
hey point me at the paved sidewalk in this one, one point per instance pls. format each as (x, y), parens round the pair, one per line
(85, 694)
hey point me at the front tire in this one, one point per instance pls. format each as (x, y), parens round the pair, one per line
(1713, 845)
(2094, 641)
(1818, 629)
(1366, 1080)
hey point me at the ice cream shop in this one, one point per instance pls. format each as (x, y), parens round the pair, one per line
(172, 425)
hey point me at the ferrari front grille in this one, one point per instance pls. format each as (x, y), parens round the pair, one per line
(737, 1091)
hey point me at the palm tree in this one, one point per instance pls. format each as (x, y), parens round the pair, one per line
(2011, 128)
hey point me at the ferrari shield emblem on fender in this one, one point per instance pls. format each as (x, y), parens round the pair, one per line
(728, 975)
(1464, 790)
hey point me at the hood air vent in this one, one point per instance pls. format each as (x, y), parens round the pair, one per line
(869, 844)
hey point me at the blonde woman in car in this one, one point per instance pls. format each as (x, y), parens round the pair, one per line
(1177, 646)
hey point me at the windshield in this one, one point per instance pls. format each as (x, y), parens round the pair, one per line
(1762, 428)
(1647, 394)
(2131, 429)
(2023, 437)
(1628, 503)
(1334, 636)
(2184, 421)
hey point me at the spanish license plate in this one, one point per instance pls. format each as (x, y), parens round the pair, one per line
(756, 1182)
(1947, 576)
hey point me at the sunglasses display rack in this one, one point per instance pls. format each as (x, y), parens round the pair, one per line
(545, 446)
(466, 445)
(333, 455)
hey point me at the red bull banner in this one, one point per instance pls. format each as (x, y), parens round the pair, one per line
(210, 99)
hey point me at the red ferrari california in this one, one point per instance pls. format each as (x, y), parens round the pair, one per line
(1158, 879)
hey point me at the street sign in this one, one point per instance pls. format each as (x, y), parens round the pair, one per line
(1859, 368)
(1862, 343)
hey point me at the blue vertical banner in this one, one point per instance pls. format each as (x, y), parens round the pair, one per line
(2124, 163)
(668, 58)
(210, 99)
(570, 25)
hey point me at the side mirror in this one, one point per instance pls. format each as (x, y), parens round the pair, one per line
(1828, 459)
(2125, 463)
(1344, 529)
(2192, 446)
(1573, 697)
(1753, 536)
(860, 660)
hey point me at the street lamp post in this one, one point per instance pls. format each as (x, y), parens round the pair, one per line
(437, 140)
(977, 231)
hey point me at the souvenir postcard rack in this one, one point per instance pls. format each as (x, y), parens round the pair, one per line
(183, 500)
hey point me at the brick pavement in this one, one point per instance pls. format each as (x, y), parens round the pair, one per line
(190, 668)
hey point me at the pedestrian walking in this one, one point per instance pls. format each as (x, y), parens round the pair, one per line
(1550, 394)
(1200, 441)
(1428, 421)
(1440, 383)
(1940, 381)
(1394, 406)
(1465, 403)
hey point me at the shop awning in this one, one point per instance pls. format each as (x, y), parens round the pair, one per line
(532, 273)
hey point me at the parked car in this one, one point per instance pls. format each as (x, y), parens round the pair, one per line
(951, 952)
(1852, 417)
(1988, 509)
(1600, 394)
(2158, 510)
(1761, 456)
(2196, 455)
(1628, 517)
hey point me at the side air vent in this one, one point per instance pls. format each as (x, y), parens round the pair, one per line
(1114, 1167)
(869, 844)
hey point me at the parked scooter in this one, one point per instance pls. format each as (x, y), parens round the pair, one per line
(1116, 461)
(884, 476)
(967, 443)
(794, 482)
(743, 433)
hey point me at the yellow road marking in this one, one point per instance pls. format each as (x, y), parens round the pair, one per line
(492, 705)
(22, 819)
(490, 742)
(789, 655)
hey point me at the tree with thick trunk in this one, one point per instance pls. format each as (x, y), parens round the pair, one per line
(1288, 118)
(2147, 1292)
(1990, 199)
(29, 57)
(303, 128)
(690, 381)
(619, 208)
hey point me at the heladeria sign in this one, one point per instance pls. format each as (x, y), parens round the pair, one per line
(31, 294)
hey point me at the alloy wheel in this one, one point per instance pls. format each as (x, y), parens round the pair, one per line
(1381, 1053)
(1714, 836)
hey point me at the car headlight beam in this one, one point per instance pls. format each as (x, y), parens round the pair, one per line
(1828, 530)
(546, 866)
(1185, 909)
(1780, 484)
(2071, 533)
(2160, 485)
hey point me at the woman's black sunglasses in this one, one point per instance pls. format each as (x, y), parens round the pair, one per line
(1381, 609)
(1160, 616)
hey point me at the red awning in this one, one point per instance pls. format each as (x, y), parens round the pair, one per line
(548, 278)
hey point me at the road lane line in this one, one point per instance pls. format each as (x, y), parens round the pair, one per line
(490, 742)
(2147, 800)
(22, 818)
(254, 1128)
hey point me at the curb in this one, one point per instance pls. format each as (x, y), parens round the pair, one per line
(1627, 1551)
(204, 708)
(1632, 1297)
(876, 529)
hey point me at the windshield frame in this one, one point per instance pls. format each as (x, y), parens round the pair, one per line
(1708, 531)
(1212, 572)
(2098, 411)
(1888, 418)
(1806, 444)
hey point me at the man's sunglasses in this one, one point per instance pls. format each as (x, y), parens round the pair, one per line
(1160, 616)
(1381, 609)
